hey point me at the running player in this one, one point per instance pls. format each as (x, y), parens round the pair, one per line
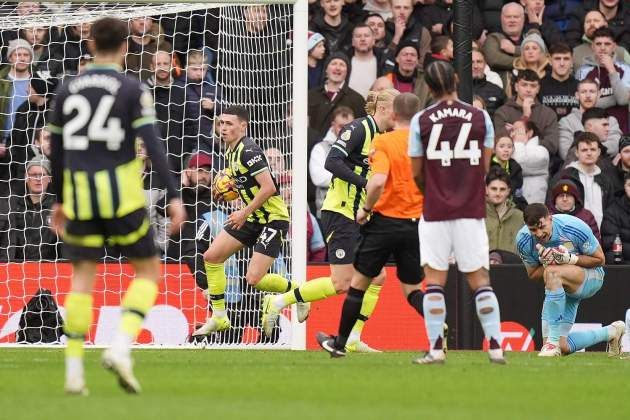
(100, 200)
(348, 163)
(263, 223)
(389, 216)
(445, 144)
(562, 251)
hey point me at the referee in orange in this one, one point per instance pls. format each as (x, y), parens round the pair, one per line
(389, 220)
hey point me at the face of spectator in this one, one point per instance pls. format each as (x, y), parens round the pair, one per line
(603, 46)
(332, 8)
(497, 192)
(231, 128)
(597, 126)
(141, 25)
(35, 36)
(402, 9)
(565, 202)
(275, 160)
(503, 149)
(592, 22)
(587, 153)
(21, 59)
(340, 121)
(25, 8)
(141, 149)
(362, 40)
(382, 83)
(542, 230)
(625, 157)
(337, 70)
(161, 66)
(587, 95)
(319, 51)
(609, 3)
(561, 64)
(377, 24)
(526, 89)
(82, 30)
(43, 141)
(531, 52)
(256, 17)
(37, 180)
(512, 19)
(200, 176)
(196, 70)
(478, 65)
(448, 51)
(407, 60)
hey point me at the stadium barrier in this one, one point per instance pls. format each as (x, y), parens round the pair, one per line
(393, 326)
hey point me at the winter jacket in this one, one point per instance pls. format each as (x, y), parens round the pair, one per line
(613, 89)
(502, 232)
(442, 12)
(414, 32)
(497, 59)
(31, 238)
(617, 222)
(198, 122)
(337, 37)
(617, 177)
(586, 50)
(572, 123)
(578, 210)
(320, 106)
(568, 16)
(514, 170)
(491, 13)
(319, 175)
(492, 95)
(544, 118)
(534, 159)
(549, 31)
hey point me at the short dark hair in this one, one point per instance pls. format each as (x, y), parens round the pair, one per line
(587, 82)
(342, 110)
(584, 137)
(594, 114)
(406, 105)
(604, 32)
(527, 75)
(534, 212)
(560, 48)
(440, 77)
(373, 15)
(439, 43)
(109, 34)
(361, 25)
(496, 173)
(239, 111)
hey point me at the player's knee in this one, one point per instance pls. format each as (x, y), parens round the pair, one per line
(341, 286)
(380, 278)
(211, 257)
(552, 277)
(252, 278)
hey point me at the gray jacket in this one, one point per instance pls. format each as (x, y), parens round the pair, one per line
(572, 123)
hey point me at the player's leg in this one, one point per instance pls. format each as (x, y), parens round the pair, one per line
(78, 319)
(471, 252)
(370, 298)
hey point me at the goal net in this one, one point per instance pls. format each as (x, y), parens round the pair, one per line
(196, 59)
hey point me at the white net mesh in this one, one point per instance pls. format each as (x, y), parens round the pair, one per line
(196, 59)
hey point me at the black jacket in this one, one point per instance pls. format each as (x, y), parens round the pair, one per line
(516, 182)
(320, 107)
(337, 37)
(568, 16)
(617, 222)
(493, 95)
(491, 13)
(31, 238)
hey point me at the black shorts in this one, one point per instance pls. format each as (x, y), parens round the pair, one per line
(383, 236)
(130, 235)
(342, 237)
(266, 239)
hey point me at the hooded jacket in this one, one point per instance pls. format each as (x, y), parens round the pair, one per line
(492, 94)
(502, 231)
(320, 176)
(578, 211)
(534, 159)
(336, 36)
(572, 123)
(617, 222)
(320, 106)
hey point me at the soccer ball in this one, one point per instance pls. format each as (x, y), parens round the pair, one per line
(223, 185)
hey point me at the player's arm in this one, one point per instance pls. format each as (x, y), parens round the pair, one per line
(597, 259)
(416, 152)
(530, 258)
(488, 142)
(417, 169)
(349, 140)
(55, 125)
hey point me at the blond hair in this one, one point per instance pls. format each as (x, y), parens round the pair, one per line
(373, 97)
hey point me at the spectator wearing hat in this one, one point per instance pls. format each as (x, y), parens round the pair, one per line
(403, 26)
(533, 56)
(613, 76)
(403, 71)
(334, 92)
(557, 88)
(622, 163)
(617, 222)
(332, 24)
(316, 53)
(567, 197)
(30, 234)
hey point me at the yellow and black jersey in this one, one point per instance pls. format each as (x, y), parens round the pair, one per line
(348, 163)
(95, 120)
(246, 160)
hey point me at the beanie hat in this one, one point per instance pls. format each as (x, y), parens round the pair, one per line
(19, 43)
(405, 44)
(314, 38)
(338, 56)
(624, 142)
(534, 36)
(566, 186)
(39, 161)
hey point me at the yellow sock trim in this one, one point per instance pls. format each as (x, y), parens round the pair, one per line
(367, 308)
(215, 274)
(273, 283)
(137, 302)
(311, 291)
(77, 323)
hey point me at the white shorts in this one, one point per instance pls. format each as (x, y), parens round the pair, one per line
(467, 239)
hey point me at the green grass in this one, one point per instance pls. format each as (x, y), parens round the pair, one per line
(212, 384)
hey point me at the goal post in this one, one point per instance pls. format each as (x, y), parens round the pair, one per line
(253, 57)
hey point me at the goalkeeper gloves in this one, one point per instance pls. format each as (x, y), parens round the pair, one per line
(559, 256)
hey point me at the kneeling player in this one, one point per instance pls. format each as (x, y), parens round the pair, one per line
(562, 250)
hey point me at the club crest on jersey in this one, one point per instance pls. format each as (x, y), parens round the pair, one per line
(340, 253)
(345, 136)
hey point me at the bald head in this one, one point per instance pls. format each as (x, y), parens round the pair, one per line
(512, 19)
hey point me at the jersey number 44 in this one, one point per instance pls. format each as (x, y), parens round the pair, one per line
(446, 154)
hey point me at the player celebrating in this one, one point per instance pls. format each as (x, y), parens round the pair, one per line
(444, 146)
(263, 223)
(100, 199)
(562, 251)
(348, 163)
(395, 204)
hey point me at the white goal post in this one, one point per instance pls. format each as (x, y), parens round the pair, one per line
(250, 57)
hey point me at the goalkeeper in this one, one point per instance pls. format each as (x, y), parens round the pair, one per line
(562, 251)
(263, 223)
(98, 184)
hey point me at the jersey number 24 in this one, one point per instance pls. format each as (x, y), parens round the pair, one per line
(102, 127)
(445, 154)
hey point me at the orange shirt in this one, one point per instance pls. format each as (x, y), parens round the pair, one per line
(401, 198)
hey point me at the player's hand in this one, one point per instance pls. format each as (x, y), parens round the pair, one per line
(528, 104)
(561, 256)
(507, 46)
(237, 219)
(362, 217)
(176, 214)
(545, 255)
(608, 63)
(58, 219)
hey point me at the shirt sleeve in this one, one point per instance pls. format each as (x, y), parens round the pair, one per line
(415, 144)
(379, 161)
(584, 236)
(524, 248)
(488, 141)
(55, 125)
(254, 160)
(143, 111)
(350, 138)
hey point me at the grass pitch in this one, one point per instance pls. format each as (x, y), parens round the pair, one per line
(217, 384)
